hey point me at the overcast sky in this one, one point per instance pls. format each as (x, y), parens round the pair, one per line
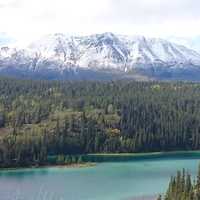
(29, 19)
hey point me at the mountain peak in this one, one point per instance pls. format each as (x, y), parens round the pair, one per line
(105, 51)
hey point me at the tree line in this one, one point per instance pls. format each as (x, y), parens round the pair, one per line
(181, 187)
(46, 118)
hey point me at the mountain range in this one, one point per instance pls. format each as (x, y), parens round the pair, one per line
(100, 57)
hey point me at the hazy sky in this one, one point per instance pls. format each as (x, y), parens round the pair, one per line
(29, 19)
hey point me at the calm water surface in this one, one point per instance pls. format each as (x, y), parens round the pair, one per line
(106, 181)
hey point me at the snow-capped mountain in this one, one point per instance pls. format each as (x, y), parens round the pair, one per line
(60, 56)
(192, 42)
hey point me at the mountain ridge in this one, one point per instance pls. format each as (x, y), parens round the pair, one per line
(68, 57)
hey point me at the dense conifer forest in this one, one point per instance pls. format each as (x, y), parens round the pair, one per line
(182, 187)
(39, 119)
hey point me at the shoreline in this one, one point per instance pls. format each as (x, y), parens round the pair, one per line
(146, 153)
(107, 155)
(80, 165)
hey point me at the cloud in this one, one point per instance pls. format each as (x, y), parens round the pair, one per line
(156, 11)
(163, 16)
(10, 3)
(28, 19)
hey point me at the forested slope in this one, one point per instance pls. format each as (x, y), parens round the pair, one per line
(42, 118)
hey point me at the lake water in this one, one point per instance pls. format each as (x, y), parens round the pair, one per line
(106, 181)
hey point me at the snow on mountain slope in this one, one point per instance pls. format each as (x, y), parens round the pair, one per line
(14, 57)
(102, 51)
(57, 47)
(111, 51)
(58, 52)
(153, 50)
(192, 42)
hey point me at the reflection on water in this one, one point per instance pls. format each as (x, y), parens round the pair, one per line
(21, 173)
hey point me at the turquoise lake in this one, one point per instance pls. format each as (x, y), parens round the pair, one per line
(116, 180)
